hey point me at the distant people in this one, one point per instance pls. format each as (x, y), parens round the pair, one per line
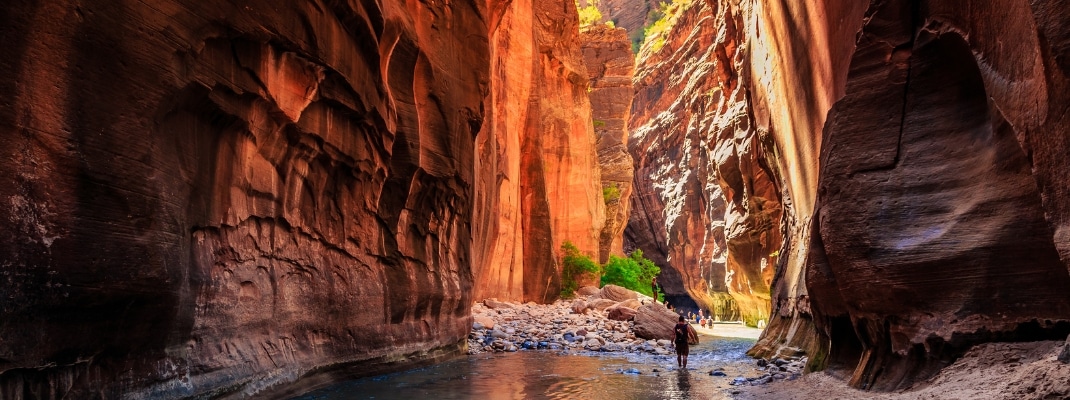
(684, 335)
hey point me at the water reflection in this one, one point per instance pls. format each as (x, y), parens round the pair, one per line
(553, 375)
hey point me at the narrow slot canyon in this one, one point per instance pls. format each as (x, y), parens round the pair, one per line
(470, 199)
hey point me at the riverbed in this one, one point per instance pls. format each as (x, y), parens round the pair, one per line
(548, 374)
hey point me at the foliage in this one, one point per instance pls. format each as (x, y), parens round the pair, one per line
(634, 272)
(664, 18)
(599, 123)
(575, 264)
(637, 37)
(611, 193)
(589, 15)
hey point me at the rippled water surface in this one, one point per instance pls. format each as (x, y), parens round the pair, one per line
(540, 374)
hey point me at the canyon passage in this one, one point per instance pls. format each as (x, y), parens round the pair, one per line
(256, 199)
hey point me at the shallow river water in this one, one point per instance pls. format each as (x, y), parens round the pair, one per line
(541, 374)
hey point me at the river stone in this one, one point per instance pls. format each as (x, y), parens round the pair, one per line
(578, 306)
(630, 303)
(601, 304)
(654, 321)
(497, 305)
(620, 313)
(498, 334)
(1064, 355)
(487, 322)
(613, 347)
(587, 291)
(591, 337)
(510, 331)
(617, 293)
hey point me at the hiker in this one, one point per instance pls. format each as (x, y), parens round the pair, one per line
(684, 336)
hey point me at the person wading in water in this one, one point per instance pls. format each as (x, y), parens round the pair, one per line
(685, 336)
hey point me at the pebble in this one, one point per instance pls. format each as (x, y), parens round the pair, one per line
(718, 373)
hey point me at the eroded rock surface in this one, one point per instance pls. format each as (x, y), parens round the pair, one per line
(610, 64)
(209, 199)
(538, 181)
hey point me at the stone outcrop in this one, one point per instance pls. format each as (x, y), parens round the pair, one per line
(655, 321)
(610, 64)
(617, 293)
(538, 182)
(211, 199)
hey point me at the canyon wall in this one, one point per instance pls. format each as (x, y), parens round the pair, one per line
(209, 199)
(911, 161)
(937, 189)
(538, 182)
(610, 63)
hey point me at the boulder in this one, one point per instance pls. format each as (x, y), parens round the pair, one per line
(617, 293)
(587, 291)
(494, 304)
(631, 303)
(620, 313)
(654, 321)
(1064, 355)
(578, 306)
(601, 304)
(487, 322)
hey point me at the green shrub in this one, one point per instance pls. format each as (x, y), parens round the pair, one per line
(634, 272)
(663, 17)
(599, 123)
(589, 15)
(575, 265)
(611, 193)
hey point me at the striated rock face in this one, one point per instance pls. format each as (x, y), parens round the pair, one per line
(654, 321)
(208, 199)
(212, 199)
(703, 174)
(940, 216)
(608, 56)
(928, 194)
(538, 183)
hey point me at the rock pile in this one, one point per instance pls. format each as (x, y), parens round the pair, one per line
(775, 368)
(589, 322)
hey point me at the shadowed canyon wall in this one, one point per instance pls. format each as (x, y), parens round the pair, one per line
(208, 199)
(906, 155)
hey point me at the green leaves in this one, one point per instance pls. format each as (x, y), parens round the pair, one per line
(633, 272)
(574, 265)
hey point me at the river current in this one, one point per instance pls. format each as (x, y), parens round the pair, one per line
(542, 374)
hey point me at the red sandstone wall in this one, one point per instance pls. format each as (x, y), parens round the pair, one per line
(539, 178)
(220, 198)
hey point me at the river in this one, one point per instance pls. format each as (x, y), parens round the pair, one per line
(542, 374)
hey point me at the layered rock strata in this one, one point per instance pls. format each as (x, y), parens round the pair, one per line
(538, 182)
(706, 198)
(610, 65)
(214, 199)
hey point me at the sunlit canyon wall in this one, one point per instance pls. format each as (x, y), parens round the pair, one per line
(220, 198)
